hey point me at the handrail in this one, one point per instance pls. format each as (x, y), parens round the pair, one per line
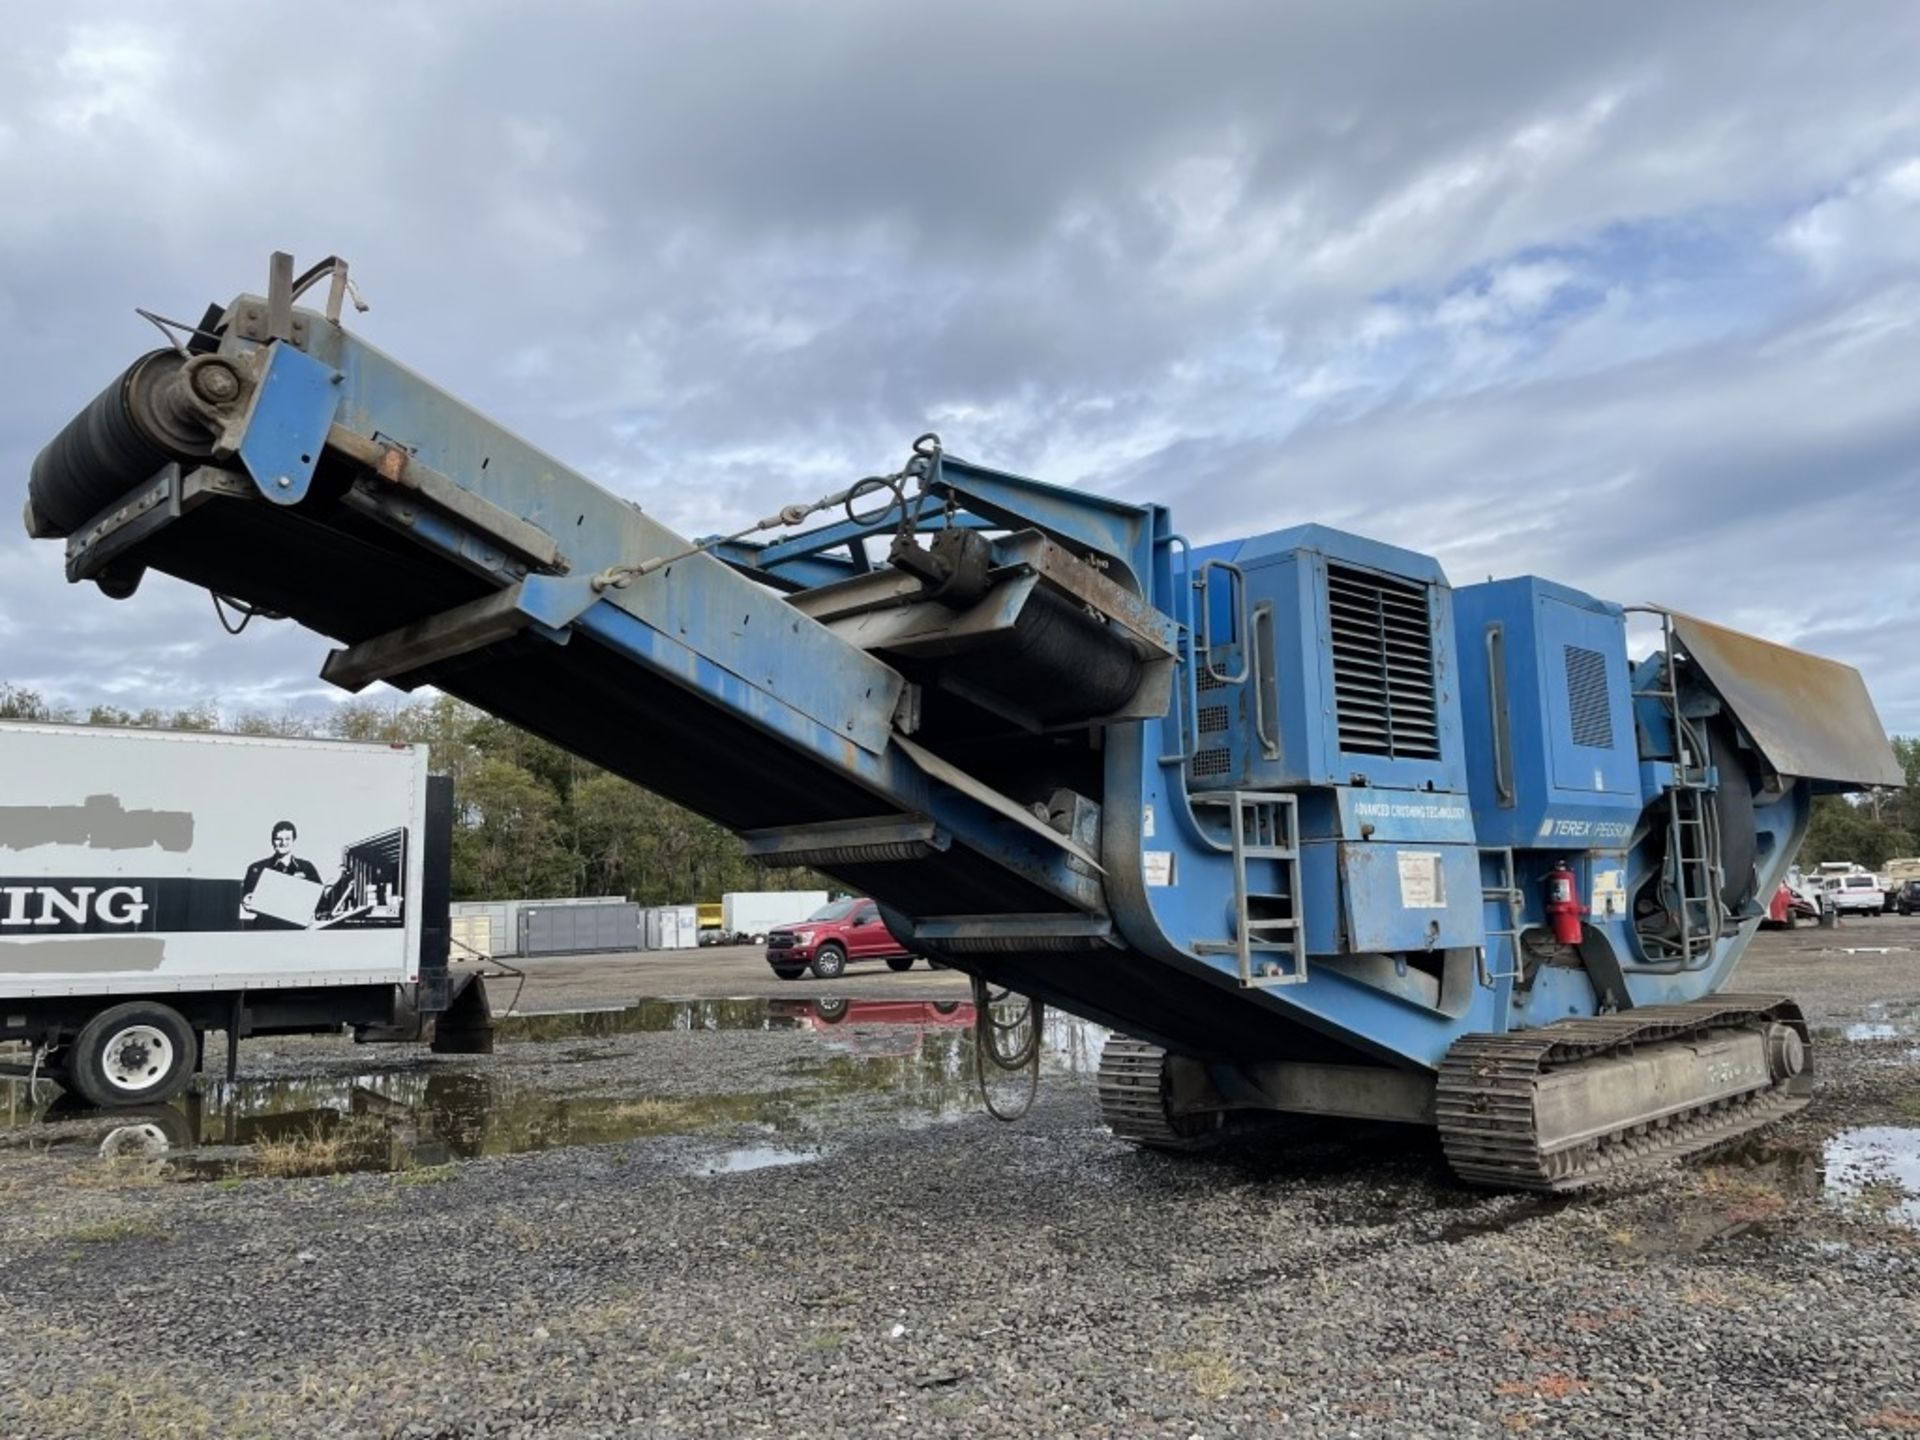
(1186, 683)
(1237, 595)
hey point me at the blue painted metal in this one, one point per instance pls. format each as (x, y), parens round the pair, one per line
(1288, 570)
(804, 561)
(800, 572)
(793, 662)
(293, 405)
(1083, 521)
(894, 780)
(1563, 791)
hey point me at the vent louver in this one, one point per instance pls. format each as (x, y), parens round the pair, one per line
(1382, 633)
(1587, 708)
(1210, 762)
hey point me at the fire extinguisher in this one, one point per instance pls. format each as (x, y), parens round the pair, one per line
(1563, 905)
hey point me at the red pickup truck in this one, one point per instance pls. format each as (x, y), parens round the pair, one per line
(828, 940)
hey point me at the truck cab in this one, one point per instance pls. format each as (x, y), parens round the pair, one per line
(833, 937)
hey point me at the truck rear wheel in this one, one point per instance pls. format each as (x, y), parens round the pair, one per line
(140, 1053)
(900, 963)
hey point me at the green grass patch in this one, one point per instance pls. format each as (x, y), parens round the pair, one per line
(120, 1227)
(425, 1175)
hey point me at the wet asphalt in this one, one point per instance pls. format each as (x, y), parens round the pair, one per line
(784, 1214)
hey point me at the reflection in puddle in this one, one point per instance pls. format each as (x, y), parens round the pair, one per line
(1875, 1166)
(754, 1157)
(910, 1061)
(1878, 1166)
(653, 1017)
(1883, 1020)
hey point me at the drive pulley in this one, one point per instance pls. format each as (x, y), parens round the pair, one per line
(168, 407)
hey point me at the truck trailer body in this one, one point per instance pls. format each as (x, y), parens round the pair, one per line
(155, 885)
(747, 915)
(1310, 828)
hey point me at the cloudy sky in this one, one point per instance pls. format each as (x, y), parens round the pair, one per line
(1624, 295)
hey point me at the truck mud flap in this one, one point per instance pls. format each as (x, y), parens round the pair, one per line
(466, 1028)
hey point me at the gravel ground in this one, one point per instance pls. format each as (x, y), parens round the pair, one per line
(965, 1277)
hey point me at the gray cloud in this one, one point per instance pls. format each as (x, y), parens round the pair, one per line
(1619, 296)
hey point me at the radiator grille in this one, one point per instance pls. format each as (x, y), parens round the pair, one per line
(1587, 698)
(1382, 633)
(1214, 719)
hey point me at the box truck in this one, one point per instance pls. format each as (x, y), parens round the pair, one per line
(747, 915)
(710, 923)
(158, 885)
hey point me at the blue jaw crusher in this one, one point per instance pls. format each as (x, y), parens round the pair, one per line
(1311, 829)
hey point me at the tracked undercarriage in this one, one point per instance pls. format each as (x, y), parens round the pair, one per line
(1554, 1108)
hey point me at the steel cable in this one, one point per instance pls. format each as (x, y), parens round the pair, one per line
(923, 466)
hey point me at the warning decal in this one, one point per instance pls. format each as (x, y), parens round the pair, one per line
(1421, 886)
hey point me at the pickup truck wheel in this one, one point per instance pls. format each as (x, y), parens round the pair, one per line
(140, 1053)
(789, 974)
(900, 963)
(830, 963)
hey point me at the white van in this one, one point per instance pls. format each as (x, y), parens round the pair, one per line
(1856, 894)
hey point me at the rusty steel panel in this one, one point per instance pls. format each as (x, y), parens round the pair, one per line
(1809, 716)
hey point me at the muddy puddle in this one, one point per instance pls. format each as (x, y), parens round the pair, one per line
(1885, 1020)
(1877, 1168)
(903, 1062)
(1871, 1170)
(753, 1157)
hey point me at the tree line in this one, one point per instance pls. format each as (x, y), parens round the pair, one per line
(530, 819)
(1870, 829)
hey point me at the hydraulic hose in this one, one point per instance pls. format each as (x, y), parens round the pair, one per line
(989, 1042)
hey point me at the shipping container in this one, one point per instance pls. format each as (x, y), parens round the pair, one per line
(672, 927)
(472, 936)
(579, 929)
(503, 916)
